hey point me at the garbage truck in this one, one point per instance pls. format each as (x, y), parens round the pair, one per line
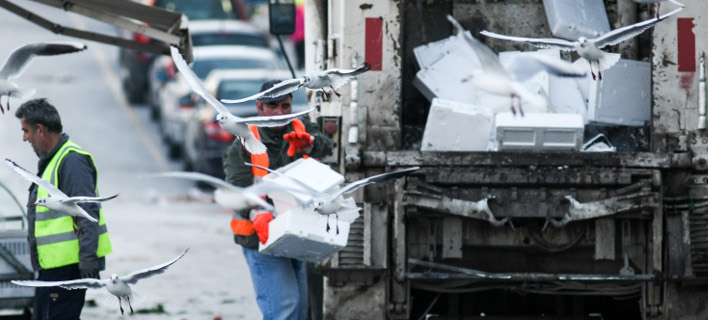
(516, 217)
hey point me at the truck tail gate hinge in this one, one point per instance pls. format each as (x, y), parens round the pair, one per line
(606, 207)
(465, 208)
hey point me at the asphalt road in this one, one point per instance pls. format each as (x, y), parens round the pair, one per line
(151, 221)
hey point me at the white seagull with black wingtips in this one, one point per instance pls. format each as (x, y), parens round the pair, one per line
(116, 285)
(332, 78)
(590, 49)
(57, 199)
(232, 124)
(20, 58)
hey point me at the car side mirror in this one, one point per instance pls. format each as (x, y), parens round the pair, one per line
(282, 16)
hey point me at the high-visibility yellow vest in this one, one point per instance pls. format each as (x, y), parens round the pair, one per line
(57, 243)
(239, 225)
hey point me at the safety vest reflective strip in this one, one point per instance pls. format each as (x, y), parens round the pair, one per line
(239, 225)
(57, 243)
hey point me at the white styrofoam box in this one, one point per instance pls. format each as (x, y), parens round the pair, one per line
(309, 171)
(566, 97)
(571, 19)
(442, 78)
(304, 236)
(623, 96)
(539, 131)
(456, 126)
(429, 53)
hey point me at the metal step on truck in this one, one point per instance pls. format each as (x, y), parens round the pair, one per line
(531, 227)
(15, 301)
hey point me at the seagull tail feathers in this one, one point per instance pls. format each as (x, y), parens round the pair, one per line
(23, 93)
(608, 60)
(253, 145)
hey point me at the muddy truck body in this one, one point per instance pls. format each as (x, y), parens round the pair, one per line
(513, 234)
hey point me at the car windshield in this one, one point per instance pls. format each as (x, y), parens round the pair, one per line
(214, 39)
(203, 67)
(199, 10)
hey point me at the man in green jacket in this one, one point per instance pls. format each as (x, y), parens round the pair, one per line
(280, 283)
(61, 247)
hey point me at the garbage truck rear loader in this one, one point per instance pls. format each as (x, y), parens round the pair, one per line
(524, 232)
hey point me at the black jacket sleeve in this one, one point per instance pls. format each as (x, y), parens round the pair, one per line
(77, 177)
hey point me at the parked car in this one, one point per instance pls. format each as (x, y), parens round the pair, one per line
(177, 98)
(205, 140)
(203, 33)
(134, 64)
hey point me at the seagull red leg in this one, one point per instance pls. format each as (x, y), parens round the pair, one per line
(599, 71)
(335, 92)
(120, 305)
(129, 304)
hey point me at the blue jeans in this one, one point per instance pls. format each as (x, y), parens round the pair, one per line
(280, 284)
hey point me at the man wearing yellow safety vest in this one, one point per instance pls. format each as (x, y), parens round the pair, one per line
(280, 283)
(61, 247)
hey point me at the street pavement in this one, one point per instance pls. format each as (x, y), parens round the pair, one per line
(152, 220)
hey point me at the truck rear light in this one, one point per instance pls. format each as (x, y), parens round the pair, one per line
(216, 133)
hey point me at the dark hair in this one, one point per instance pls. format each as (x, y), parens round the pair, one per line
(39, 111)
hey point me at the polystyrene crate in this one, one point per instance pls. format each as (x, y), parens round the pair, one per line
(623, 96)
(456, 126)
(539, 131)
(311, 172)
(304, 236)
(571, 19)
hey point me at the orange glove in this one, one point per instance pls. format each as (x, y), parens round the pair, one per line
(260, 223)
(299, 141)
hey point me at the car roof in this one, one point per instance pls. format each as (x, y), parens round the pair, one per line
(223, 74)
(231, 26)
(233, 50)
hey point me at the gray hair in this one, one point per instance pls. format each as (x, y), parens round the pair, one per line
(39, 111)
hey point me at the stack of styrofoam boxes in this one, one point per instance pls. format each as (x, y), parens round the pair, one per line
(455, 126)
(300, 234)
(539, 132)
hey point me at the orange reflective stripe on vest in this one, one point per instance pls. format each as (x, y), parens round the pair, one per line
(261, 159)
(245, 227)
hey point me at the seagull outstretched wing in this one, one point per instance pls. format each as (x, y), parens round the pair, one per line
(627, 32)
(84, 283)
(20, 58)
(349, 188)
(550, 43)
(53, 191)
(274, 121)
(279, 89)
(149, 272)
(194, 82)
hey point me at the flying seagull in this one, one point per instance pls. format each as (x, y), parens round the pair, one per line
(332, 203)
(329, 203)
(229, 122)
(57, 200)
(590, 49)
(20, 58)
(228, 195)
(496, 79)
(333, 78)
(658, 4)
(116, 285)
